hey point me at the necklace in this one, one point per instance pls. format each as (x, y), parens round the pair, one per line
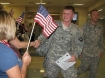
(7, 44)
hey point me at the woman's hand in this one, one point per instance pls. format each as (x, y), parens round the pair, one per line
(26, 59)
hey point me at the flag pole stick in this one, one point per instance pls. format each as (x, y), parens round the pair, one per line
(31, 33)
(30, 36)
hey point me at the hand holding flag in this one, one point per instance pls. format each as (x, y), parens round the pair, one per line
(46, 21)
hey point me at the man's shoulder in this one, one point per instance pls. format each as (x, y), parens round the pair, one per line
(74, 26)
(86, 24)
(100, 26)
(59, 23)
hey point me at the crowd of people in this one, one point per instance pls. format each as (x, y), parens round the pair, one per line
(85, 42)
(24, 31)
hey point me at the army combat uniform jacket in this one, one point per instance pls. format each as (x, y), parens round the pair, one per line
(93, 46)
(60, 42)
(63, 41)
(93, 39)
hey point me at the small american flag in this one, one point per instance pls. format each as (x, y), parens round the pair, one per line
(46, 21)
(20, 19)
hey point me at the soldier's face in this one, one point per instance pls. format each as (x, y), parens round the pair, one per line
(67, 15)
(94, 16)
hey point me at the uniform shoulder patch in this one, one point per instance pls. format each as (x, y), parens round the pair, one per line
(81, 39)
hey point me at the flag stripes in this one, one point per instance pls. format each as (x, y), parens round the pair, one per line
(20, 19)
(46, 21)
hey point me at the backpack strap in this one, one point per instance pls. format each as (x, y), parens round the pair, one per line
(74, 28)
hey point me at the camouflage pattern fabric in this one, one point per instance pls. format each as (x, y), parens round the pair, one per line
(60, 44)
(93, 46)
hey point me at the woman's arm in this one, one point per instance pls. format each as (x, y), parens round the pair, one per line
(18, 44)
(14, 72)
(26, 59)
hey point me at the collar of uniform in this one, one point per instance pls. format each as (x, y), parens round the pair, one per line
(65, 27)
(93, 26)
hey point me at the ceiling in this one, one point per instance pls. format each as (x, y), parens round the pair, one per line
(99, 4)
(50, 3)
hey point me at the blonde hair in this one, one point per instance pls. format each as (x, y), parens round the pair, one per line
(7, 26)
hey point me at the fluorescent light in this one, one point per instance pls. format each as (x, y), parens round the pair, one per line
(40, 3)
(41, 70)
(100, 9)
(88, 14)
(54, 14)
(78, 4)
(101, 18)
(4, 3)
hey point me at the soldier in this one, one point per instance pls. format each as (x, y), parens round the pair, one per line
(93, 45)
(62, 41)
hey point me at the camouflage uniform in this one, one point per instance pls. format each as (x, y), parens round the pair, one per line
(59, 45)
(93, 46)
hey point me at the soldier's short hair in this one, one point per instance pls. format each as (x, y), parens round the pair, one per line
(69, 8)
(93, 10)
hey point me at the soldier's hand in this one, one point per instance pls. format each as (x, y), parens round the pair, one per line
(80, 56)
(37, 43)
(73, 58)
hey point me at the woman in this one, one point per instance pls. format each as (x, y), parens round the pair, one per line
(11, 66)
(16, 42)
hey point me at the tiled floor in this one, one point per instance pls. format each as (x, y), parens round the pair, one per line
(36, 70)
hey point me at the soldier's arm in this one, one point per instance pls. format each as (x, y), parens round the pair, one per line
(78, 43)
(101, 42)
(40, 40)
